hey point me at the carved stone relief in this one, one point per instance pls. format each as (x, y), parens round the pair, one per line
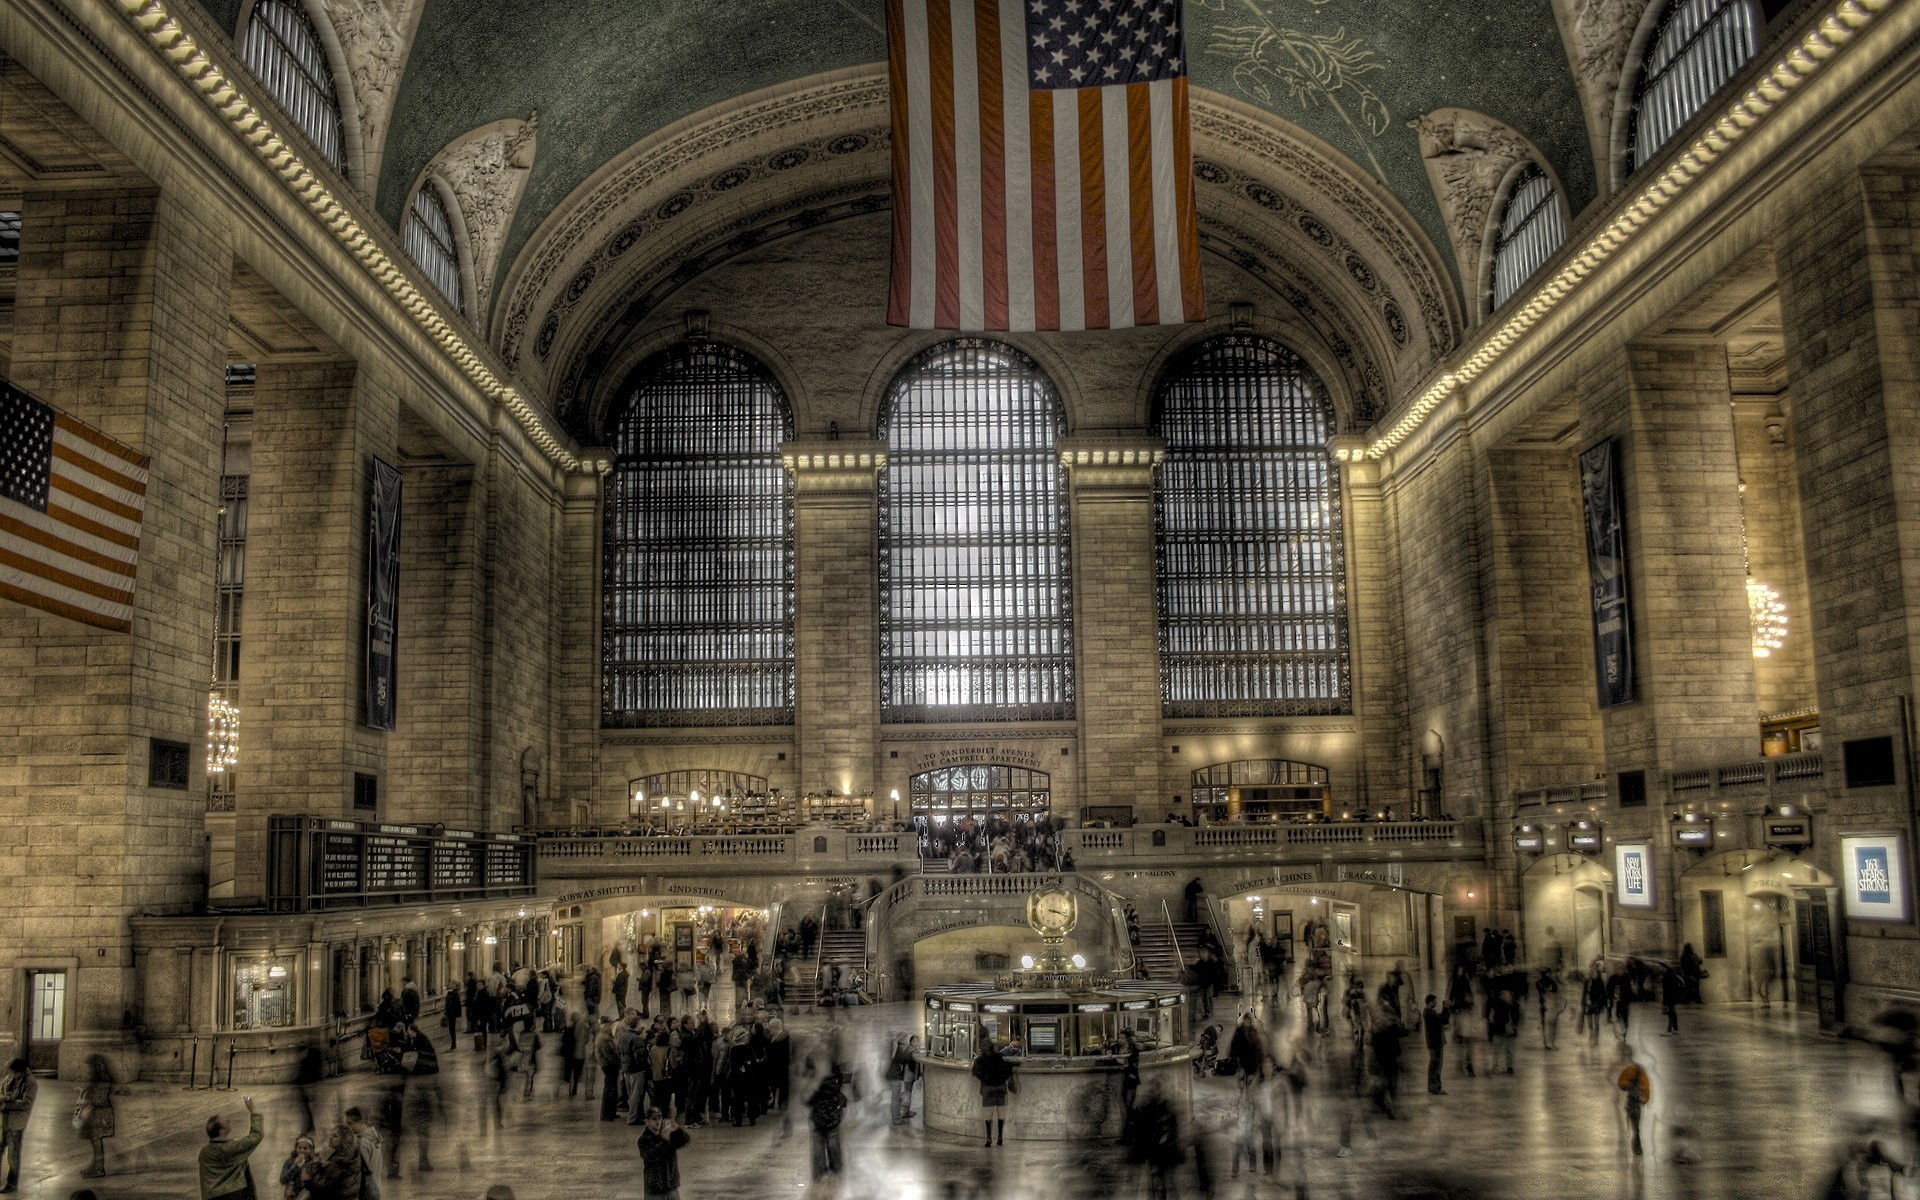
(375, 36)
(487, 170)
(1597, 34)
(1467, 155)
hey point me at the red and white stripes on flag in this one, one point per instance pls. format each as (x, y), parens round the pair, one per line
(1042, 169)
(71, 503)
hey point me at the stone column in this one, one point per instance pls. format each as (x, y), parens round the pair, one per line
(1379, 701)
(836, 639)
(120, 321)
(1695, 702)
(1117, 629)
(1848, 259)
(1540, 625)
(435, 750)
(577, 705)
(317, 428)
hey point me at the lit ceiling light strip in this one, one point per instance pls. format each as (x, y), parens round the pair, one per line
(1841, 25)
(226, 98)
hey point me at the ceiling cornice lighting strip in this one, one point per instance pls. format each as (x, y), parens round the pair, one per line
(1842, 24)
(218, 90)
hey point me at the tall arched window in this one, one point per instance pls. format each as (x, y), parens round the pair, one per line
(1531, 229)
(976, 606)
(1252, 565)
(283, 50)
(428, 237)
(697, 603)
(1698, 46)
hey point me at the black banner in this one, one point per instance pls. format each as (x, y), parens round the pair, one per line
(383, 595)
(1607, 557)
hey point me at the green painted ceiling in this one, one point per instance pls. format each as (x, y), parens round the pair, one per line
(605, 74)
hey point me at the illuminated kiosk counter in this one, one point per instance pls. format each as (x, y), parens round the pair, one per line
(1069, 1072)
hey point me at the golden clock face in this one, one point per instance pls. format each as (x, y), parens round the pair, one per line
(1053, 912)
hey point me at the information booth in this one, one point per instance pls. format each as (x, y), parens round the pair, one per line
(1067, 1029)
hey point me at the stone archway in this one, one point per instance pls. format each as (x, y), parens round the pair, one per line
(1565, 901)
(1738, 911)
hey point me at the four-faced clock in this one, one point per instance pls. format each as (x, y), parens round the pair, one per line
(1052, 911)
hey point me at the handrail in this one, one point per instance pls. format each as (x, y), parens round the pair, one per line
(1173, 935)
(1222, 931)
(1127, 956)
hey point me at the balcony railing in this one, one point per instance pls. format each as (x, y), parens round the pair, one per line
(832, 850)
(1752, 778)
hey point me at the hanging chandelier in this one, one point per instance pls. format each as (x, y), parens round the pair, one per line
(1769, 615)
(223, 734)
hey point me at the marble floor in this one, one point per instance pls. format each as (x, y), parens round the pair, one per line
(1768, 1098)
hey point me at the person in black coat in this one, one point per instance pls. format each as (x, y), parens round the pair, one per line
(660, 1143)
(1433, 1023)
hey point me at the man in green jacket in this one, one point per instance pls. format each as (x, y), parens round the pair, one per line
(223, 1160)
(17, 1091)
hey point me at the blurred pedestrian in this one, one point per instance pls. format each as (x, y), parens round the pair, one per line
(826, 1108)
(1433, 1024)
(340, 1173)
(1503, 1027)
(1636, 1087)
(93, 1113)
(18, 1090)
(450, 1015)
(995, 1075)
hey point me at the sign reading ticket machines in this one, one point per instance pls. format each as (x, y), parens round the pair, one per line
(1874, 866)
(1633, 874)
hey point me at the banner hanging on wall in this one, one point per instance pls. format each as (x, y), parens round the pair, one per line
(383, 595)
(1874, 866)
(1633, 875)
(1607, 559)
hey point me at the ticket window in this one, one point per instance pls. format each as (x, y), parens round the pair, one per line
(263, 994)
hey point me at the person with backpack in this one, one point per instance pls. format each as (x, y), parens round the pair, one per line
(826, 1107)
(900, 1072)
(1637, 1088)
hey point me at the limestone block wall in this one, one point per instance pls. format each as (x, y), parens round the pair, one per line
(1118, 651)
(1539, 623)
(1437, 514)
(523, 589)
(119, 320)
(436, 750)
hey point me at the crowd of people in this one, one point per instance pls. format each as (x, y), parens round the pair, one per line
(998, 844)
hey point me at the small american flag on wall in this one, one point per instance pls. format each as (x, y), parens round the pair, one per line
(1042, 168)
(71, 500)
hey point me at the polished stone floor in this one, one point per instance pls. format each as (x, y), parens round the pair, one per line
(1768, 1098)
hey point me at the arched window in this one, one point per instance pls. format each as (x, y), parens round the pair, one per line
(283, 50)
(1531, 229)
(428, 237)
(697, 591)
(1252, 566)
(976, 606)
(1696, 48)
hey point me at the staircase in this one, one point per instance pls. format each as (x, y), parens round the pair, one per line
(1157, 951)
(839, 948)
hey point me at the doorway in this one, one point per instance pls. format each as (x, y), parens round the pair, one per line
(46, 1019)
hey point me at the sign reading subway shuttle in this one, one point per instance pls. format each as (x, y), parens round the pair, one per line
(1607, 558)
(383, 594)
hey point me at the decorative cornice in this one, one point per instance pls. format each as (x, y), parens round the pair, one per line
(1809, 55)
(224, 94)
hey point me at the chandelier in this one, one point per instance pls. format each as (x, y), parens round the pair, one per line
(1769, 615)
(223, 734)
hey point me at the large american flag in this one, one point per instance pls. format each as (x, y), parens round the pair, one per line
(71, 500)
(1042, 173)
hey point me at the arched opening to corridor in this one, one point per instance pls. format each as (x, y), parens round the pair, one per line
(1565, 911)
(1743, 912)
